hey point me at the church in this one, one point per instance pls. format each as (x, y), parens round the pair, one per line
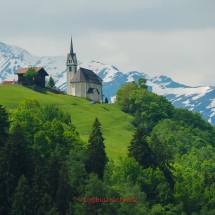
(84, 82)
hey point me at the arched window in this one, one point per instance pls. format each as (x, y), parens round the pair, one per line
(70, 69)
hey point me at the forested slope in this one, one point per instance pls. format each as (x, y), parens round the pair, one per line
(46, 167)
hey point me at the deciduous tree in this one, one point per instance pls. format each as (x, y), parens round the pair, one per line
(30, 75)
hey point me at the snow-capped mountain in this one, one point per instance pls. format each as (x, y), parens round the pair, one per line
(199, 99)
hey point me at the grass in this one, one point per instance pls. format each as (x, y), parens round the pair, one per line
(116, 127)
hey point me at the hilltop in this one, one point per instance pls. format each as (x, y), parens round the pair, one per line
(116, 127)
(197, 99)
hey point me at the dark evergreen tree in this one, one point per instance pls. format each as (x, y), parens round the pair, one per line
(53, 211)
(139, 148)
(45, 205)
(40, 184)
(21, 201)
(64, 193)
(14, 161)
(4, 125)
(106, 100)
(162, 158)
(50, 82)
(54, 175)
(97, 158)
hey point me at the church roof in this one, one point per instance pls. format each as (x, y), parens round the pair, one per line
(24, 70)
(86, 75)
(93, 90)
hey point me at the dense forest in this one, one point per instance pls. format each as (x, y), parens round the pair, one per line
(46, 169)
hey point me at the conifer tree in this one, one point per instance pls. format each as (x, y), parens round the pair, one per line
(139, 148)
(14, 161)
(53, 210)
(50, 82)
(64, 192)
(97, 158)
(39, 182)
(4, 125)
(162, 158)
(21, 202)
(54, 175)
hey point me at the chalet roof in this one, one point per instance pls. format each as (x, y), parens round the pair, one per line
(9, 82)
(86, 75)
(24, 70)
(93, 90)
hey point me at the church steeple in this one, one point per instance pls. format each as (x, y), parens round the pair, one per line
(71, 47)
(71, 64)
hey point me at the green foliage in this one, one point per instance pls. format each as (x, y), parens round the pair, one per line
(106, 100)
(170, 168)
(117, 127)
(51, 112)
(4, 125)
(139, 148)
(64, 193)
(123, 95)
(141, 83)
(50, 82)
(96, 155)
(76, 169)
(162, 157)
(21, 199)
(147, 108)
(14, 161)
(30, 75)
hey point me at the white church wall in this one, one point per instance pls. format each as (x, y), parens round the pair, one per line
(83, 90)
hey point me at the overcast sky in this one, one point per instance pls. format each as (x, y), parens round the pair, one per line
(159, 37)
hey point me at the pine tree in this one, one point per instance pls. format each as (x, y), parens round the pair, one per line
(53, 210)
(4, 125)
(139, 148)
(97, 158)
(106, 100)
(162, 158)
(54, 175)
(39, 182)
(64, 192)
(21, 203)
(50, 82)
(14, 161)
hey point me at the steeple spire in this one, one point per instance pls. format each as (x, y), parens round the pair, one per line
(71, 47)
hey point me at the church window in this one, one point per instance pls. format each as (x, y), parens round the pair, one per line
(70, 69)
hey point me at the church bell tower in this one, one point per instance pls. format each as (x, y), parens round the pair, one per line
(71, 70)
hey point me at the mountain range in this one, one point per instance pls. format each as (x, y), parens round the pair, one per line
(198, 99)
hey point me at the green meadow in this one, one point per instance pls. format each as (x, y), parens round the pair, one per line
(116, 125)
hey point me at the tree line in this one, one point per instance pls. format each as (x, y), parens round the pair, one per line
(45, 167)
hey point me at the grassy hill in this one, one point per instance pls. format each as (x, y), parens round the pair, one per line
(116, 127)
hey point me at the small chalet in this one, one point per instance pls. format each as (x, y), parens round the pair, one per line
(9, 82)
(38, 81)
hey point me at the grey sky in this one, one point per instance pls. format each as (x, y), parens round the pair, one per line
(168, 37)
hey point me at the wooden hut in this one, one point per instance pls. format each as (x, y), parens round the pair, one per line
(38, 81)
